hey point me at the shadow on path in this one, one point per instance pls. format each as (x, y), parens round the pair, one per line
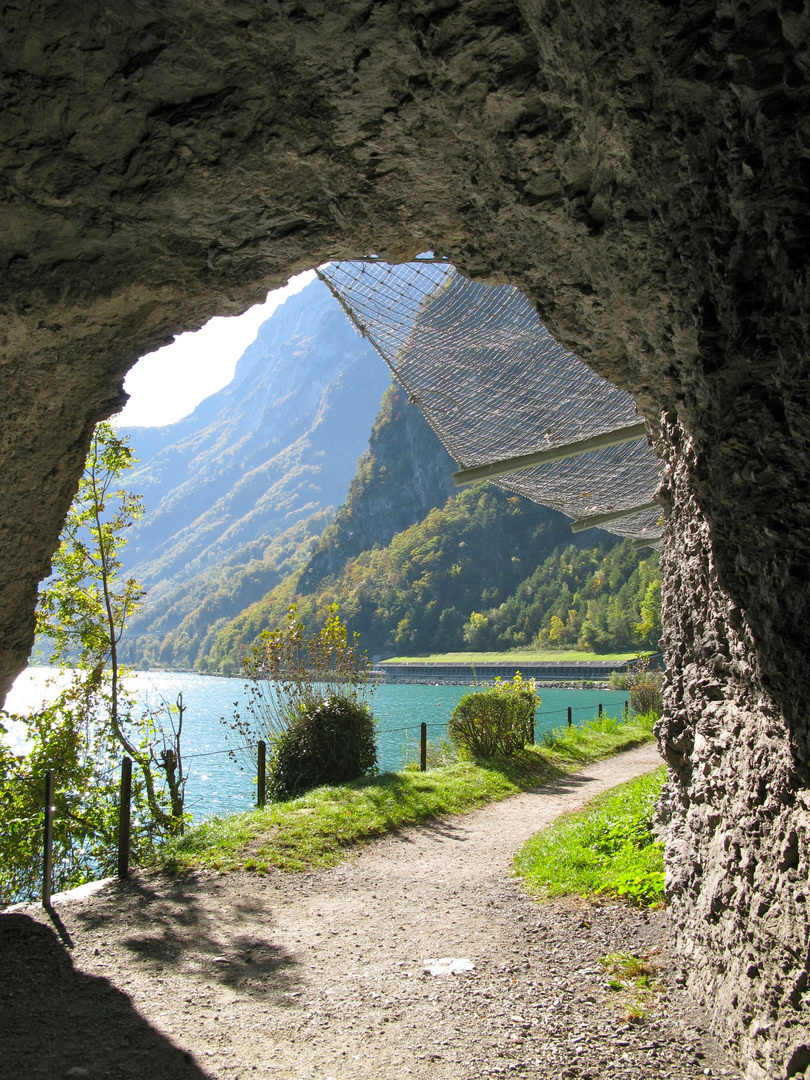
(197, 926)
(54, 1018)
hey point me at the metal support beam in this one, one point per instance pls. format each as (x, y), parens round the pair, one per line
(545, 457)
(654, 543)
(595, 520)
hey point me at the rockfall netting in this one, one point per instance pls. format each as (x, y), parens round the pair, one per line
(494, 385)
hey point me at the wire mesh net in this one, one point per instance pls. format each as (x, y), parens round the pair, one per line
(494, 384)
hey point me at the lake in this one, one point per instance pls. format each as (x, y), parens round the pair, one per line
(217, 785)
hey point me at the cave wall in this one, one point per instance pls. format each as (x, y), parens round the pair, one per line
(638, 168)
(737, 800)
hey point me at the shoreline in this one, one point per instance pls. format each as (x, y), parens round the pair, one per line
(582, 684)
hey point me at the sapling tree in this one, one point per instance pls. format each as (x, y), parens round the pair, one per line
(83, 611)
(80, 732)
(307, 698)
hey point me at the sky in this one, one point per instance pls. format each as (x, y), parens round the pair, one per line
(166, 385)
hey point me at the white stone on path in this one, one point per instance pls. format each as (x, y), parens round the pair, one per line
(448, 965)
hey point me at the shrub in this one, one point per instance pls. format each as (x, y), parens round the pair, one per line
(619, 680)
(330, 741)
(496, 720)
(306, 701)
(646, 695)
(84, 759)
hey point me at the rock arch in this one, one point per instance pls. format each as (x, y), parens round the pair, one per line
(639, 169)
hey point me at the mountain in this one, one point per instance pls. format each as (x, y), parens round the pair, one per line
(178, 627)
(274, 449)
(240, 521)
(280, 442)
(488, 570)
(405, 473)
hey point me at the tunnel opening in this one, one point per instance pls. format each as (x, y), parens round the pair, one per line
(632, 169)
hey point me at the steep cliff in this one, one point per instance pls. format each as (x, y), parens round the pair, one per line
(404, 473)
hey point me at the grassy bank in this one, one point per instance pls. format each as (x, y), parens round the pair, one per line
(320, 828)
(515, 656)
(609, 847)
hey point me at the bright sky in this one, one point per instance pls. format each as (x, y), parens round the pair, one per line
(166, 385)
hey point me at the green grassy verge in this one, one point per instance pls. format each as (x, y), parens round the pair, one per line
(608, 847)
(514, 657)
(320, 828)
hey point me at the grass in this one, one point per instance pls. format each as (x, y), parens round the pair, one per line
(607, 848)
(527, 654)
(320, 828)
(632, 979)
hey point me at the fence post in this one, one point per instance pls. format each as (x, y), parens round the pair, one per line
(47, 853)
(626, 709)
(569, 716)
(423, 748)
(124, 818)
(262, 772)
(600, 710)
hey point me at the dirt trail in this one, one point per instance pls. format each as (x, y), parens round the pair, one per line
(322, 974)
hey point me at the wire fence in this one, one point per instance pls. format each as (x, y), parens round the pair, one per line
(45, 818)
(431, 724)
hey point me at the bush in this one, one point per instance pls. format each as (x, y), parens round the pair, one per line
(497, 720)
(84, 759)
(330, 741)
(619, 680)
(646, 690)
(646, 697)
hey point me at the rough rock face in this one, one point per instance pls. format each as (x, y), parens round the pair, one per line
(403, 475)
(738, 846)
(638, 168)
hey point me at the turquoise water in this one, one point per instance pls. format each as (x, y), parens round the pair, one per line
(219, 785)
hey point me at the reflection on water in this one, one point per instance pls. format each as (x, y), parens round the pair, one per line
(218, 785)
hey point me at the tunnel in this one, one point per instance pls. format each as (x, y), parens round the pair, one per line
(639, 170)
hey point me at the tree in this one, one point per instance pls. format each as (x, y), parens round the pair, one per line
(84, 610)
(84, 607)
(82, 614)
(649, 626)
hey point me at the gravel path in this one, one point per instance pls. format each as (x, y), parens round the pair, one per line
(322, 974)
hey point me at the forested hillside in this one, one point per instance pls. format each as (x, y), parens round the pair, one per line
(182, 623)
(488, 570)
(603, 598)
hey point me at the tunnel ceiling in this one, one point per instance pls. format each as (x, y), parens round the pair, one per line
(639, 172)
